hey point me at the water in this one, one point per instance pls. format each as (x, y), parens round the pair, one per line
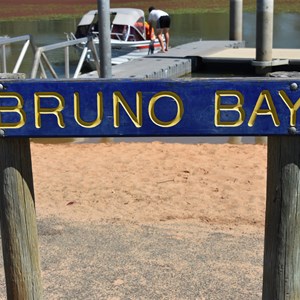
(184, 29)
(215, 26)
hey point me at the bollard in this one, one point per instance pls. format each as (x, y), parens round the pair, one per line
(104, 38)
(264, 36)
(262, 140)
(236, 20)
(236, 140)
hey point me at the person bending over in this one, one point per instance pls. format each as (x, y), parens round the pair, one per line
(161, 21)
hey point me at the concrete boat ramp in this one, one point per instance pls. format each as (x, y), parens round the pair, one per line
(200, 56)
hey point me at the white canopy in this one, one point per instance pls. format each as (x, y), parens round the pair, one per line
(124, 16)
(127, 16)
(88, 18)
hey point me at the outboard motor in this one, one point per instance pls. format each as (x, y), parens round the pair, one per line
(151, 47)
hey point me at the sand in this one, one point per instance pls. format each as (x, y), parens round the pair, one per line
(151, 182)
(150, 220)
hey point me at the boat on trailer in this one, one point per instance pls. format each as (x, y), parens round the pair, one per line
(130, 36)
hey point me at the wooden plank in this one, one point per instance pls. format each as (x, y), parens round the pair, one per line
(124, 107)
(281, 279)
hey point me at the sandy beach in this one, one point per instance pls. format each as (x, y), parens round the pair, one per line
(150, 220)
(151, 182)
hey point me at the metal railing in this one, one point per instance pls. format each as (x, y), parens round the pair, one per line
(85, 45)
(41, 65)
(6, 42)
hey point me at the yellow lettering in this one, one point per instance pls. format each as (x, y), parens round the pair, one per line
(292, 107)
(99, 118)
(264, 95)
(238, 107)
(18, 109)
(55, 111)
(179, 114)
(136, 119)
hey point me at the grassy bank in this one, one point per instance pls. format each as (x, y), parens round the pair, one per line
(36, 9)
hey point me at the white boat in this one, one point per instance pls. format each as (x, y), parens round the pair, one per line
(130, 37)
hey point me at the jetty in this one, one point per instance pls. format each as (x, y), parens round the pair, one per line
(201, 57)
(177, 62)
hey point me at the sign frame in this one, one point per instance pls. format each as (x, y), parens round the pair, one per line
(165, 107)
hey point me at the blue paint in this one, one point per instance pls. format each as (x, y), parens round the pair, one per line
(198, 98)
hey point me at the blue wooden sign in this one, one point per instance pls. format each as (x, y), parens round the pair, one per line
(185, 107)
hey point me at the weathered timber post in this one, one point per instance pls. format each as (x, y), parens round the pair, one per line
(281, 276)
(104, 38)
(18, 220)
(236, 20)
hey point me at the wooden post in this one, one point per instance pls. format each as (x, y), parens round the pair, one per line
(18, 220)
(281, 276)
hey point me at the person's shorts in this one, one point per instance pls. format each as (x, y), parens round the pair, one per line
(163, 22)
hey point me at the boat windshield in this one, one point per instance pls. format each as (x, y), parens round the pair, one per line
(126, 24)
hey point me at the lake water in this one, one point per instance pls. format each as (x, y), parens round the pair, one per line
(185, 28)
